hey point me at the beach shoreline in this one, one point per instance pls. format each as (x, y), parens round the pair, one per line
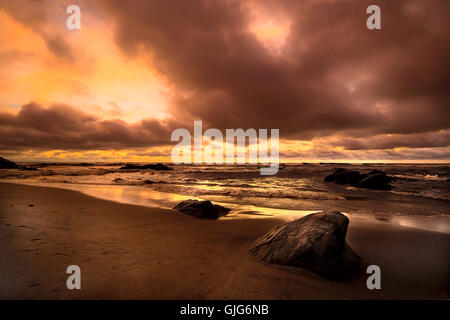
(148, 197)
(136, 252)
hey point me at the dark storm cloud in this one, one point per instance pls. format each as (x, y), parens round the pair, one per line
(424, 140)
(64, 127)
(418, 154)
(332, 74)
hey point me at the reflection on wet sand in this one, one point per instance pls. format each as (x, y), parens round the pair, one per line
(437, 224)
(147, 197)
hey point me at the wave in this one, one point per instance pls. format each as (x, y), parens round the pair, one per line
(418, 176)
(421, 195)
(248, 193)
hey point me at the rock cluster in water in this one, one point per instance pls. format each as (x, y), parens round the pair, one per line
(375, 179)
(316, 241)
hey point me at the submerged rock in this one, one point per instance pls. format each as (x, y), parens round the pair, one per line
(158, 166)
(316, 241)
(7, 164)
(348, 177)
(375, 171)
(378, 181)
(332, 177)
(201, 209)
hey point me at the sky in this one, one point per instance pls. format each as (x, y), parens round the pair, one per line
(116, 89)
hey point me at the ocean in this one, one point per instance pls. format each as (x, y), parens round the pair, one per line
(420, 190)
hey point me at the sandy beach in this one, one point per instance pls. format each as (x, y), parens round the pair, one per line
(136, 252)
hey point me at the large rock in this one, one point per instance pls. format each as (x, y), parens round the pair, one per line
(201, 209)
(7, 164)
(316, 242)
(378, 181)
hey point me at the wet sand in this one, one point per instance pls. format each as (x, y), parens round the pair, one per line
(136, 252)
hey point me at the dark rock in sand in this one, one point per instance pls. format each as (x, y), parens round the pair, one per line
(158, 166)
(201, 209)
(316, 241)
(376, 181)
(7, 164)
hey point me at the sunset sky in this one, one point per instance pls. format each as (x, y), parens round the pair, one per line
(137, 70)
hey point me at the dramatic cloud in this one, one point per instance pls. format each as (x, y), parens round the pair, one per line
(332, 73)
(310, 68)
(64, 127)
(427, 140)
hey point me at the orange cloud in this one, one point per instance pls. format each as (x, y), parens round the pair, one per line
(96, 76)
